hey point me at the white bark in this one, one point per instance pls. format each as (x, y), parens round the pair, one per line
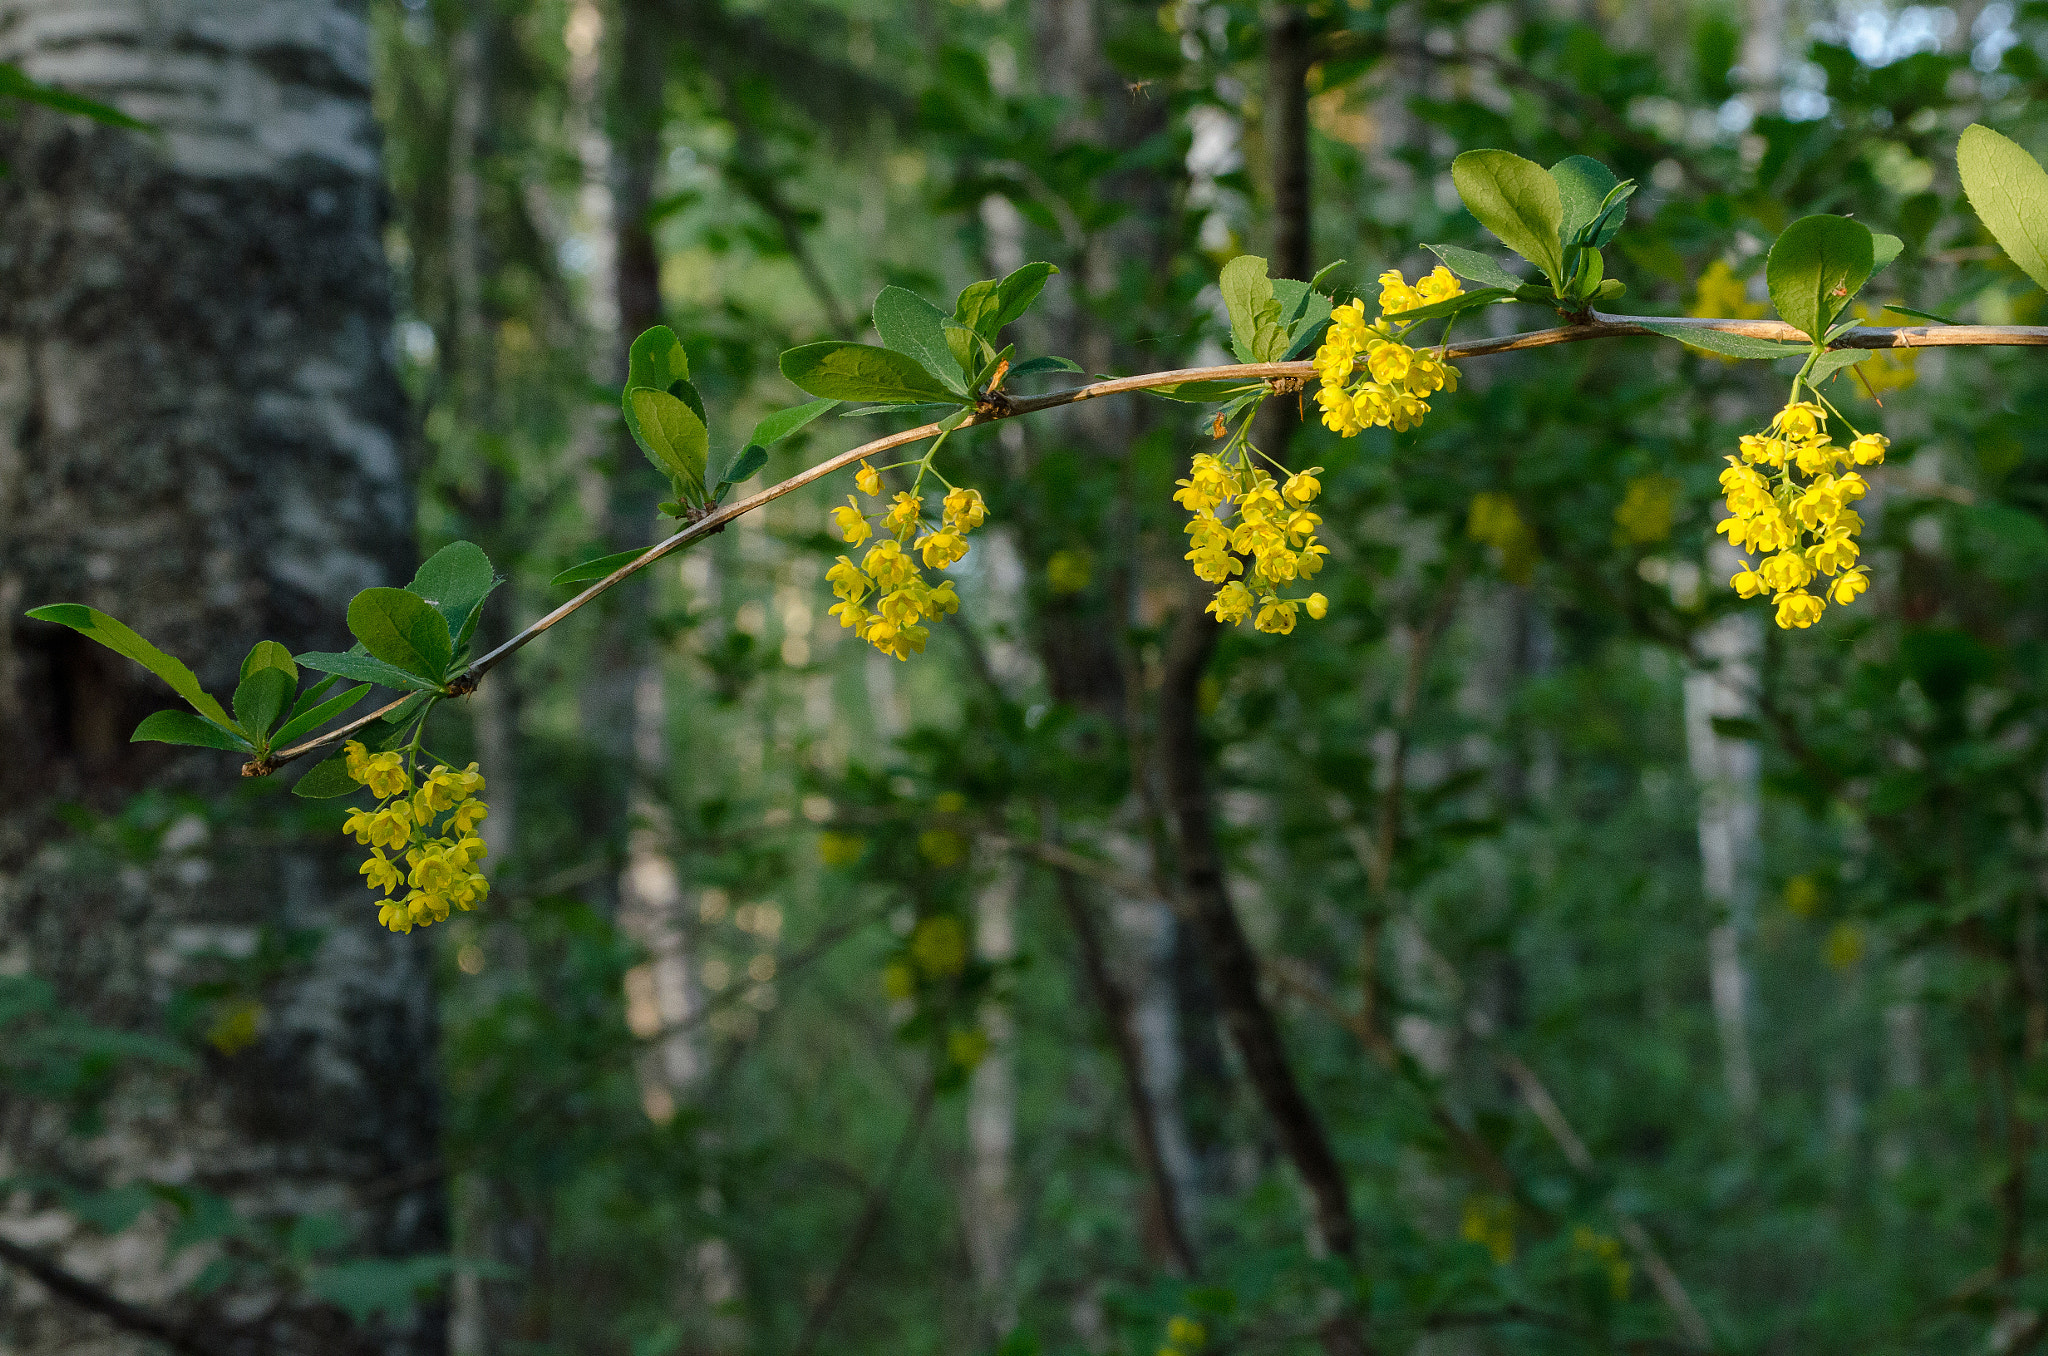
(1726, 774)
(991, 1199)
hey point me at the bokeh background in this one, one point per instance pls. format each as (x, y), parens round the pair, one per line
(1541, 954)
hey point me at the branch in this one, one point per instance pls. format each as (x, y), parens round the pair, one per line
(101, 1301)
(864, 1228)
(1601, 326)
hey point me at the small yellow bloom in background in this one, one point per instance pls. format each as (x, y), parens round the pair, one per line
(898, 980)
(1489, 1221)
(1646, 509)
(235, 1026)
(841, 849)
(942, 847)
(869, 480)
(1185, 1333)
(1843, 948)
(1887, 369)
(1495, 521)
(1605, 1249)
(1802, 896)
(939, 946)
(1067, 572)
(966, 1048)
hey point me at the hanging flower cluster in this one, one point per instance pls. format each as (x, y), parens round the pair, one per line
(438, 866)
(890, 570)
(1788, 503)
(1274, 528)
(1391, 378)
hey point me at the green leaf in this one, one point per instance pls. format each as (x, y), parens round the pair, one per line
(1467, 301)
(326, 779)
(784, 423)
(1831, 363)
(1884, 249)
(1718, 341)
(262, 697)
(182, 727)
(362, 668)
(751, 458)
(402, 629)
(269, 654)
(1305, 312)
(658, 362)
(1518, 201)
(965, 345)
(310, 698)
(96, 625)
(600, 568)
(836, 370)
(1203, 392)
(1612, 214)
(1815, 267)
(1473, 266)
(456, 579)
(912, 326)
(1583, 184)
(2009, 189)
(14, 84)
(313, 717)
(1032, 367)
(1315, 284)
(1918, 315)
(977, 307)
(1015, 294)
(676, 439)
(1248, 293)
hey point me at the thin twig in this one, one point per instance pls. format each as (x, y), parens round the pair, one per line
(864, 1228)
(1601, 326)
(86, 1295)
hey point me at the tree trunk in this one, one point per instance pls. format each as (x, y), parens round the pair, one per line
(200, 432)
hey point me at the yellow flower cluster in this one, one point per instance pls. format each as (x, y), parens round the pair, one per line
(1275, 528)
(889, 569)
(1788, 502)
(438, 866)
(1392, 378)
(1605, 1252)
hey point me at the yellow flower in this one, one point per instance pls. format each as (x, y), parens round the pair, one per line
(1644, 514)
(868, 480)
(1232, 603)
(1722, 295)
(1318, 606)
(1302, 486)
(903, 514)
(1848, 585)
(851, 522)
(1276, 616)
(964, 510)
(1798, 609)
(942, 548)
(1869, 449)
(381, 872)
(467, 816)
(1748, 583)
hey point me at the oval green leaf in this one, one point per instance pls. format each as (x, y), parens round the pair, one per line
(182, 727)
(403, 630)
(1815, 267)
(2009, 189)
(836, 370)
(676, 438)
(262, 697)
(1518, 201)
(912, 326)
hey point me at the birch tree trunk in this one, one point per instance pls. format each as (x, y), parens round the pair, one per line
(200, 431)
